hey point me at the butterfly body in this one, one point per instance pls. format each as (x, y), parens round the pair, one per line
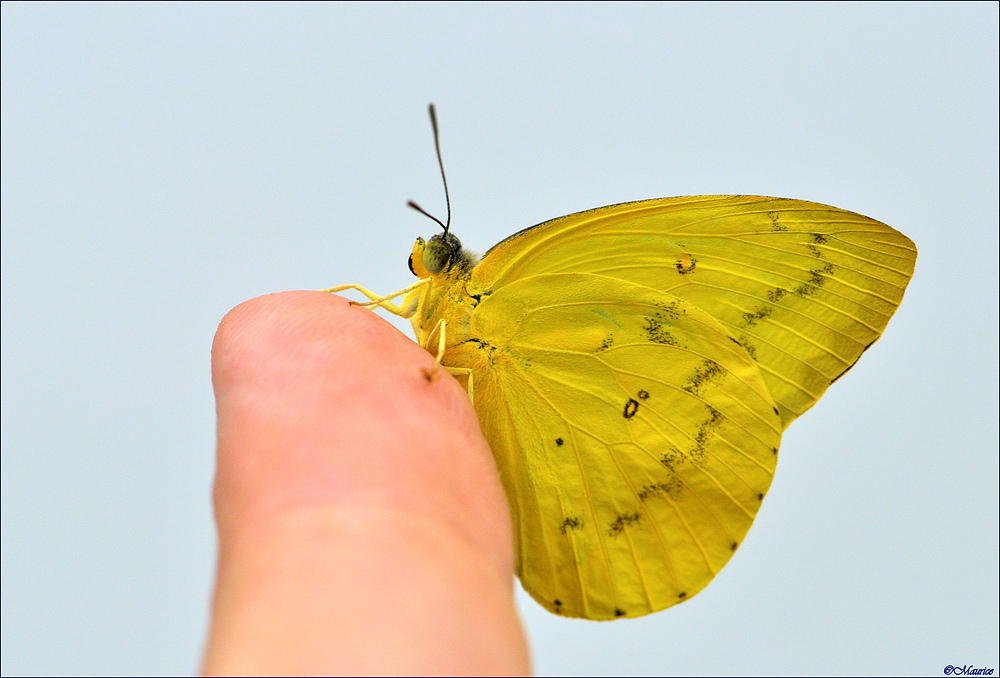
(634, 367)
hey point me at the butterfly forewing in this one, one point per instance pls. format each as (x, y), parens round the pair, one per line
(635, 436)
(804, 288)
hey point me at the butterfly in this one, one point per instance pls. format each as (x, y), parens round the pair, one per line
(634, 366)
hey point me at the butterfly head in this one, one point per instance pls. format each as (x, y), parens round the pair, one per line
(440, 255)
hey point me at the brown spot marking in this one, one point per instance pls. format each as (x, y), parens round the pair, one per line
(732, 547)
(605, 345)
(686, 264)
(818, 238)
(773, 216)
(642, 395)
(631, 407)
(619, 612)
(621, 522)
(559, 442)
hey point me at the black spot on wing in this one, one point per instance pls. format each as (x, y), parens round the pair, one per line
(670, 489)
(619, 612)
(816, 239)
(708, 372)
(817, 278)
(559, 442)
(775, 225)
(751, 318)
(682, 594)
(670, 310)
(672, 457)
(606, 344)
(656, 332)
(732, 547)
(621, 522)
(570, 523)
(631, 407)
(642, 395)
(777, 294)
(704, 432)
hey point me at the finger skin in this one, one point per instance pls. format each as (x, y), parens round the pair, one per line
(362, 525)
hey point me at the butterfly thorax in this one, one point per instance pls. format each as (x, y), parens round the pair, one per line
(447, 268)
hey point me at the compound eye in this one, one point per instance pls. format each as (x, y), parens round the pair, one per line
(437, 256)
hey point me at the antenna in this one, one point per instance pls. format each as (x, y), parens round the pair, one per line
(426, 214)
(437, 147)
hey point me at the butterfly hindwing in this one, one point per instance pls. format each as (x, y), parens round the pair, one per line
(635, 436)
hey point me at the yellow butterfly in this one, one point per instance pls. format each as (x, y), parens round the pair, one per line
(634, 367)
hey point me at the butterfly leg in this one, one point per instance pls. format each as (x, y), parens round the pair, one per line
(439, 330)
(379, 300)
(463, 371)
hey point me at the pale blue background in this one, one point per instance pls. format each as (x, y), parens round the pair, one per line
(162, 163)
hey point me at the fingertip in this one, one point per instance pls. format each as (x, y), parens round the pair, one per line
(319, 400)
(285, 324)
(352, 494)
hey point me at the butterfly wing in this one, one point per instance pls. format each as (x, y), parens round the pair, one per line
(635, 437)
(805, 288)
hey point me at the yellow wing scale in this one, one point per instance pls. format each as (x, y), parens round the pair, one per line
(634, 367)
